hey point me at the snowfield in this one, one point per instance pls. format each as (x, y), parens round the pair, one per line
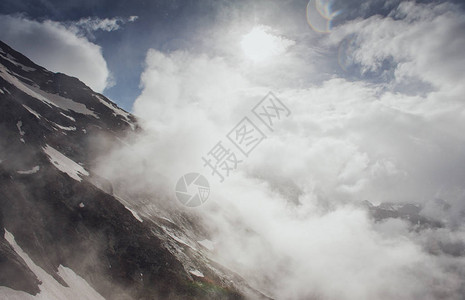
(50, 289)
(65, 164)
(46, 98)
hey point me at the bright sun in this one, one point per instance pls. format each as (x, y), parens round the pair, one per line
(259, 45)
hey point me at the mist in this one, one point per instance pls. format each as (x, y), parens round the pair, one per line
(379, 118)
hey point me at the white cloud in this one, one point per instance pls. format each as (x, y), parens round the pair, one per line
(261, 44)
(289, 215)
(56, 48)
(90, 24)
(98, 24)
(425, 42)
(133, 18)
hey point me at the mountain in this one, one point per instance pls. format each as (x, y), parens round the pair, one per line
(64, 234)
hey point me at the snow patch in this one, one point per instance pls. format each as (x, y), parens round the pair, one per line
(50, 289)
(32, 111)
(134, 213)
(69, 117)
(166, 219)
(18, 125)
(64, 164)
(116, 110)
(12, 60)
(196, 273)
(69, 128)
(31, 171)
(47, 98)
(174, 237)
(21, 132)
(81, 205)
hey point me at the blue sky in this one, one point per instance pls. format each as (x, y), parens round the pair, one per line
(160, 25)
(171, 25)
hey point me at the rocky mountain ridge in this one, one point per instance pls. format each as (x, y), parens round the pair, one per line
(62, 230)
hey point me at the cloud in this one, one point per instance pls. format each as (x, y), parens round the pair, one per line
(88, 25)
(57, 48)
(182, 107)
(289, 219)
(423, 40)
(260, 45)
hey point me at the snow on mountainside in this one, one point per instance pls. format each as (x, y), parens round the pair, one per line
(63, 232)
(50, 288)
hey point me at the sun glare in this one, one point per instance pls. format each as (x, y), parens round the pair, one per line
(259, 45)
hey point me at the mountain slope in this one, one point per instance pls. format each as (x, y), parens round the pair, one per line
(65, 219)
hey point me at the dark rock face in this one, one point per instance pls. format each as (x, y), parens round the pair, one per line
(49, 223)
(405, 211)
(58, 219)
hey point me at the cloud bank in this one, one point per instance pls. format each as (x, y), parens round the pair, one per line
(290, 219)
